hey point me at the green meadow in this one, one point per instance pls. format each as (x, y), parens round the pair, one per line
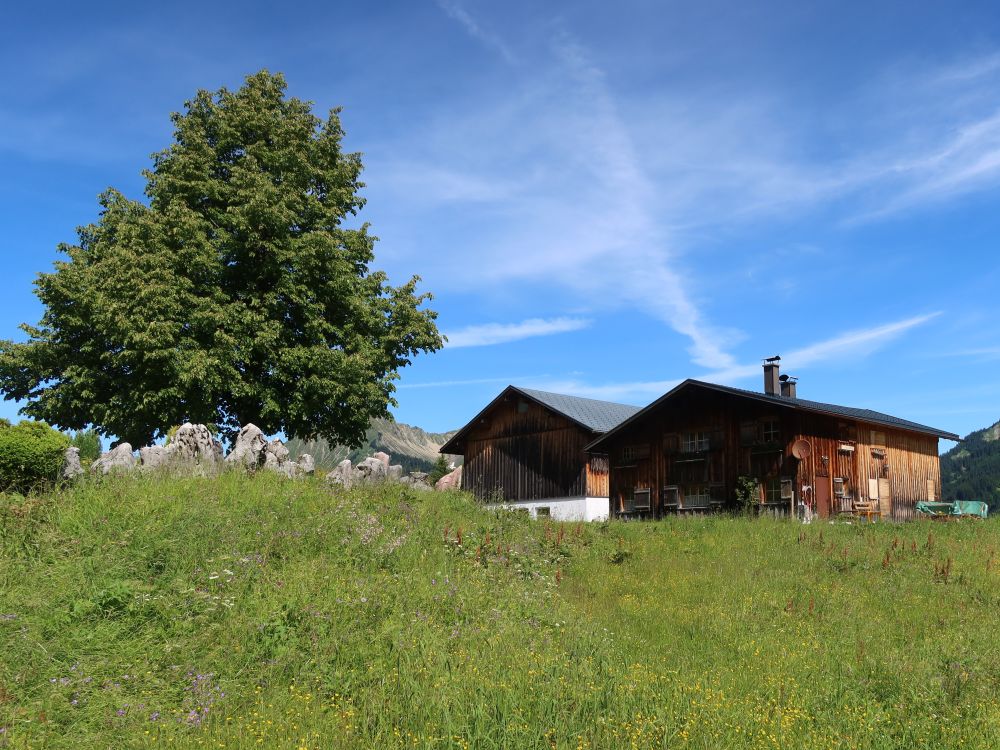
(257, 612)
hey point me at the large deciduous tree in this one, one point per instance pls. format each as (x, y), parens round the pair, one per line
(235, 294)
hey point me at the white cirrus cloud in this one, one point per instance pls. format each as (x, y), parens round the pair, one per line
(857, 343)
(488, 334)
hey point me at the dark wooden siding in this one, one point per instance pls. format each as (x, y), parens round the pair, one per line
(651, 454)
(522, 451)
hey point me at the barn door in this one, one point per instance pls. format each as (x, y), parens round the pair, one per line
(823, 496)
(885, 497)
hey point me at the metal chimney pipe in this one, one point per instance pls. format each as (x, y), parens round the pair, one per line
(787, 386)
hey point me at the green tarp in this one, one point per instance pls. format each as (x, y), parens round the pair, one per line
(957, 508)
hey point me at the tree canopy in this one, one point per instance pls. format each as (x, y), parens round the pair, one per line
(234, 294)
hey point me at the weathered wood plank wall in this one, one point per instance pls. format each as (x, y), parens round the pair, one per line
(523, 451)
(649, 454)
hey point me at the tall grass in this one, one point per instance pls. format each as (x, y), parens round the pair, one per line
(257, 612)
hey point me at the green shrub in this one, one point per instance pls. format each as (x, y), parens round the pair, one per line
(89, 443)
(440, 469)
(31, 455)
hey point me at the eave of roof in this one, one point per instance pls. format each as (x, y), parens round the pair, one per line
(589, 414)
(862, 415)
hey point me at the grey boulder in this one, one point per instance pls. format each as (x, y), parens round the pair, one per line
(118, 459)
(249, 449)
(71, 463)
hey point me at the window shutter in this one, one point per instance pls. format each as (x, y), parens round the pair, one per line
(873, 489)
(930, 490)
(671, 496)
(748, 432)
(787, 489)
(671, 443)
(640, 500)
(716, 440)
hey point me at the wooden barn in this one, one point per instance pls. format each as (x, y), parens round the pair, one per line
(526, 450)
(688, 450)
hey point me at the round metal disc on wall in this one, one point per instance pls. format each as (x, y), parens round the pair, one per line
(801, 449)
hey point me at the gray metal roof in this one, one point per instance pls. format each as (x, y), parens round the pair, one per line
(593, 415)
(863, 415)
(597, 416)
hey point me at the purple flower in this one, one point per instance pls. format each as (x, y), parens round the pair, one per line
(155, 716)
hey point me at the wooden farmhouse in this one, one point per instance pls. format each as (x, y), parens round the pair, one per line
(526, 450)
(688, 450)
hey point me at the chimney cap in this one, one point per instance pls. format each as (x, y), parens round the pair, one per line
(772, 360)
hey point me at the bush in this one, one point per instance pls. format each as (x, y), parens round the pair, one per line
(89, 443)
(31, 454)
(440, 469)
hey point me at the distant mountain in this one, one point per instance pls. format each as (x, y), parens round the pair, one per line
(411, 447)
(971, 470)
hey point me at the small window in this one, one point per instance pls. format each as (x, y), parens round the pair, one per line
(878, 438)
(628, 500)
(697, 496)
(695, 442)
(641, 500)
(772, 490)
(522, 407)
(671, 496)
(839, 485)
(770, 431)
(543, 512)
(632, 453)
(787, 489)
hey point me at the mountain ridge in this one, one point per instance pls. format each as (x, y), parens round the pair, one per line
(413, 448)
(971, 470)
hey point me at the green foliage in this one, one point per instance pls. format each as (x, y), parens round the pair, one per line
(31, 456)
(747, 494)
(300, 616)
(440, 469)
(89, 443)
(236, 295)
(971, 470)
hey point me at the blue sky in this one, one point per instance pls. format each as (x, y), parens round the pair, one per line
(604, 198)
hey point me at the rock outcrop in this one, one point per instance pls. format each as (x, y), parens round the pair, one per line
(118, 459)
(193, 450)
(306, 464)
(248, 450)
(450, 481)
(343, 474)
(71, 463)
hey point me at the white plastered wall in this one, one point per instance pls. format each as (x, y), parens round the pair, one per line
(564, 508)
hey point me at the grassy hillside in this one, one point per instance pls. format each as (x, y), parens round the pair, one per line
(412, 448)
(971, 470)
(240, 612)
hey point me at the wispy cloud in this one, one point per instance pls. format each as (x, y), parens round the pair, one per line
(622, 190)
(590, 223)
(457, 11)
(856, 344)
(511, 379)
(984, 352)
(489, 334)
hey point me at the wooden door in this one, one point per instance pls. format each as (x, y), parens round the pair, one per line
(885, 497)
(822, 491)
